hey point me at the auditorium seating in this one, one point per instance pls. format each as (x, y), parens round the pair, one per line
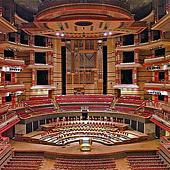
(24, 163)
(37, 106)
(148, 162)
(84, 164)
(79, 102)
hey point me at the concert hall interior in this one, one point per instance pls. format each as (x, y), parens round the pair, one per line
(85, 84)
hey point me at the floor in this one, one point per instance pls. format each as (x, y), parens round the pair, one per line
(97, 149)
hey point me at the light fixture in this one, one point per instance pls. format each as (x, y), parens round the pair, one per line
(110, 33)
(57, 33)
(62, 35)
(105, 34)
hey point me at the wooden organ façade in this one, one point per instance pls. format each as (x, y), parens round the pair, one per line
(84, 65)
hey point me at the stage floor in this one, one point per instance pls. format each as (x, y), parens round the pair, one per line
(97, 149)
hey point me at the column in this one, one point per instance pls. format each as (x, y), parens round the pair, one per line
(3, 77)
(1, 10)
(166, 99)
(49, 58)
(150, 33)
(3, 100)
(136, 37)
(118, 80)
(121, 56)
(15, 54)
(17, 38)
(136, 55)
(156, 76)
(34, 77)
(167, 6)
(32, 57)
(31, 41)
(51, 76)
(12, 77)
(135, 76)
(156, 97)
(166, 75)
(48, 44)
(13, 100)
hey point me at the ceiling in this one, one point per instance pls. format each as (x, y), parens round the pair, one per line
(32, 5)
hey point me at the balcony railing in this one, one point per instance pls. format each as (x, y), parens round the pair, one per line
(47, 4)
(158, 84)
(161, 59)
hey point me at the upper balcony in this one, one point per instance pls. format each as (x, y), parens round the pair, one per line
(156, 60)
(162, 24)
(49, 4)
(11, 87)
(23, 47)
(157, 85)
(8, 61)
(145, 46)
(6, 26)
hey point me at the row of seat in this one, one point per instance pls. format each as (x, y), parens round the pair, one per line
(149, 162)
(84, 164)
(24, 163)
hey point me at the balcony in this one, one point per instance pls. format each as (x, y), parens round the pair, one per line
(6, 26)
(11, 87)
(157, 85)
(132, 86)
(162, 24)
(48, 87)
(23, 47)
(125, 65)
(161, 121)
(157, 60)
(40, 66)
(8, 120)
(145, 46)
(12, 62)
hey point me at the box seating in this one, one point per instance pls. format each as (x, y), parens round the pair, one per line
(149, 162)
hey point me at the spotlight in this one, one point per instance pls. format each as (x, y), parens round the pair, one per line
(110, 33)
(57, 33)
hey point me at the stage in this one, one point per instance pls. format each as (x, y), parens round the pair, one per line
(116, 151)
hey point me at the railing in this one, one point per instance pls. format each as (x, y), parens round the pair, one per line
(154, 104)
(9, 83)
(157, 59)
(47, 4)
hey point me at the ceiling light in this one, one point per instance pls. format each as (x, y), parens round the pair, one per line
(105, 34)
(57, 33)
(62, 34)
(110, 33)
